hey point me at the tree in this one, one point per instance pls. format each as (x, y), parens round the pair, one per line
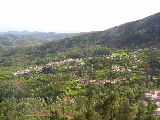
(153, 61)
(89, 114)
(110, 107)
(54, 115)
(126, 112)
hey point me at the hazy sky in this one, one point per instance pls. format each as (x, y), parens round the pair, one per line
(72, 15)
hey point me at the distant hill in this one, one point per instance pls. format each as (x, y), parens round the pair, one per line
(16, 32)
(12, 38)
(25, 32)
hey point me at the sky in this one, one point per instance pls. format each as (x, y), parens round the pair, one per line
(72, 15)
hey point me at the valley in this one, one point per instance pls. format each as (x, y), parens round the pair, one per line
(100, 75)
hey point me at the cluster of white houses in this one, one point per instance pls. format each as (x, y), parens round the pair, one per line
(100, 82)
(63, 62)
(21, 72)
(155, 96)
(39, 68)
(122, 69)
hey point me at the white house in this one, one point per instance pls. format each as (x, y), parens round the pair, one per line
(148, 95)
(115, 68)
(158, 94)
(157, 112)
(129, 70)
(158, 109)
(134, 67)
(158, 97)
(158, 102)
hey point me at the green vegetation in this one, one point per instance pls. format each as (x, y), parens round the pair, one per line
(82, 77)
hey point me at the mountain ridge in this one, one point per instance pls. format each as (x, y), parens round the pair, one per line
(124, 34)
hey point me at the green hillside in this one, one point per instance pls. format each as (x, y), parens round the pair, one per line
(101, 75)
(138, 33)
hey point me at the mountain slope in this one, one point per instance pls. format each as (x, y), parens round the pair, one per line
(132, 33)
(126, 35)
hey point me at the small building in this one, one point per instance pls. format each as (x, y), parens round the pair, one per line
(83, 81)
(134, 67)
(129, 70)
(92, 81)
(145, 102)
(135, 53)
(158, 94)
(115, 68)
(148, 95)
(158, 97)
(157, 101)
(157, 113)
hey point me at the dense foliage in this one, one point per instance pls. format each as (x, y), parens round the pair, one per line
(56, 92)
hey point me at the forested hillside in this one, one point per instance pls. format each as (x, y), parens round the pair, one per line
(131, 34)
(96, 76)
(141, 33)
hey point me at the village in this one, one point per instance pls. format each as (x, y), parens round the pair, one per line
(155, 97)
(58, 63)
(151, 95)
(53, 64)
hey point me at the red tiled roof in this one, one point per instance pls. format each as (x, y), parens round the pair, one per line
(144, 101)
(157, 112)
(158, 100)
